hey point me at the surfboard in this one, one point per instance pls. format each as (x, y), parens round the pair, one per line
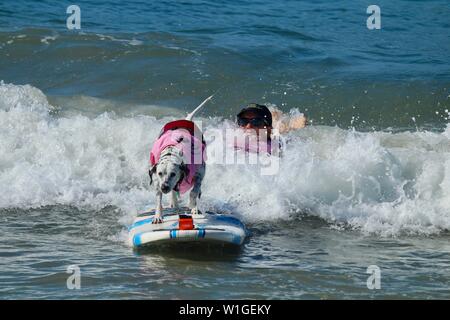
(179, 225)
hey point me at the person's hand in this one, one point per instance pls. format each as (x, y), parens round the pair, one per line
(298, 122)
(284, 123)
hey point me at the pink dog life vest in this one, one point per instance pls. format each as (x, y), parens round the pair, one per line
(180, 134)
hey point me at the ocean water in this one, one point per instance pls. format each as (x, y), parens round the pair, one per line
(367, 183)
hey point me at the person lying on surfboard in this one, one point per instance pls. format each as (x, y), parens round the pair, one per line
(258, 121)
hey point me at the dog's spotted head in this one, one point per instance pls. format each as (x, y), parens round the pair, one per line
(169, 171)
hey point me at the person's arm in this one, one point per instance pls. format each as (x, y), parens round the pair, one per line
(284, 123)
(298, 122)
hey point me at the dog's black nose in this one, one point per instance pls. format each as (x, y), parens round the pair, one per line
(165, 188)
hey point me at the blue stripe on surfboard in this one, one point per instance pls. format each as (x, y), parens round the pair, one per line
(201, 233)
(137, 239)
(236, 239)
(140, 223)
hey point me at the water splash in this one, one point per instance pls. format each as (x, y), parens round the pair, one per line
(377, 182)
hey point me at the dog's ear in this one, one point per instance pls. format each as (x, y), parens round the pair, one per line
(184, 171)
(151, 172)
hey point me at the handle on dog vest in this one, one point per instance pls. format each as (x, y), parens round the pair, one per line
(182, 124)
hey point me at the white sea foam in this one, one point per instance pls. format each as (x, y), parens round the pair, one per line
(132, 42)
(377, 182)
(47, 39)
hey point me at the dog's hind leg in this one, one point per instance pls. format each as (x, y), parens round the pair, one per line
(193, 200)
(195, 193)
(158, 211)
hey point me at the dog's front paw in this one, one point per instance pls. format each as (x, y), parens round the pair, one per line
(157, 219)
(195, 211)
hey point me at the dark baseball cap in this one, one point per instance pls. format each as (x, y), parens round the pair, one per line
(260, 110)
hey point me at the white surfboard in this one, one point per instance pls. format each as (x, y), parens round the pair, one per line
(180, 226)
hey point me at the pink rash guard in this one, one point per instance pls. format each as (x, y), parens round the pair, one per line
(251, 143)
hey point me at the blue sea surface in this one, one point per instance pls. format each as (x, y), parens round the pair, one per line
(318, 56)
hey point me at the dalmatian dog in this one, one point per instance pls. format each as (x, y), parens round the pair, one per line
(177, 163)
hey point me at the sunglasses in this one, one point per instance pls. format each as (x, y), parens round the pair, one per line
(255, 122)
